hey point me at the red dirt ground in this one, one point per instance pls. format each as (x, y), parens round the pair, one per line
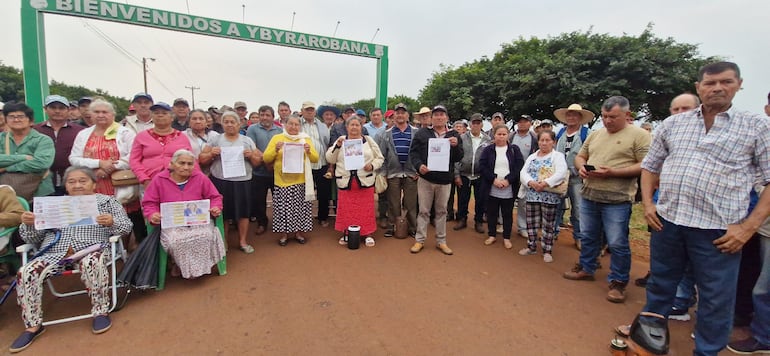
(323, 299)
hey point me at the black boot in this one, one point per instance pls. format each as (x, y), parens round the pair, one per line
(461, 224)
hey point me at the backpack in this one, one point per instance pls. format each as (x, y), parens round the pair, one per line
(583, 133)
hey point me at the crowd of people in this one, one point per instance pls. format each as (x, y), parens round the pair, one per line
(698, 175)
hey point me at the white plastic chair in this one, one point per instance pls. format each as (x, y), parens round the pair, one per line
(117, 252)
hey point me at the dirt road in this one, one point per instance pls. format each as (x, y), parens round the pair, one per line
(323, 299)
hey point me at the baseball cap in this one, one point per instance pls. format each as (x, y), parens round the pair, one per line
(546, 122)
(56, 99)
(214, 110)
(239, 104)
(142, 95)
(400, 106)
(438, 108)
(525, 117)
(463, 121)
(360, 112)
(181, 101)
(477, 117)
(349, 109)
(85, 100)
(308, 104)
(389, 113)
(160, 105)
(497, 114)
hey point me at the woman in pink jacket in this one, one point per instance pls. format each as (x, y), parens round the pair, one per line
(194, 248)
(153, 148)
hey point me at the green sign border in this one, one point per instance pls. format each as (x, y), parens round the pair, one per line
(33, 37)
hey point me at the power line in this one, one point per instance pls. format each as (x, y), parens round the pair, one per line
(111, 43)
(116, 46)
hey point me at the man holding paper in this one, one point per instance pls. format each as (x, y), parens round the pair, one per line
(433, 153)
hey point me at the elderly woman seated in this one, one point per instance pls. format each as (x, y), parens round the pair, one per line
(195, 249)
(58, 245)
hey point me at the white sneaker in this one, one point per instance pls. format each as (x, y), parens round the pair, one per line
(547, 258)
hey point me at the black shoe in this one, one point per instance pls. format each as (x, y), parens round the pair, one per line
(748, 346)
(479, 227)
(389, 233)
(461, 224)
(642, 282)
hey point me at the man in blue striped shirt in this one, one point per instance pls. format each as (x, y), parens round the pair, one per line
(402, 177)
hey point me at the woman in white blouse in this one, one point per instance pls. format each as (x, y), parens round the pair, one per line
(543, 170)
(105, 147)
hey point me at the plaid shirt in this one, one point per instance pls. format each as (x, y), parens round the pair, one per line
(706, 178)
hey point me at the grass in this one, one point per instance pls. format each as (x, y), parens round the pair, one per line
(638, 237)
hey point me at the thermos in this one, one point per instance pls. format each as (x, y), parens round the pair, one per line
(354, 237)
(618, 347)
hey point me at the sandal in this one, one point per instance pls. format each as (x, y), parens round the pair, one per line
(369, 241)
(343, 240)
(300, 239)
(247, 249)
(284, 240)
(623, 330)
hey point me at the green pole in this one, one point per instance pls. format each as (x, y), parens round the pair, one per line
(381, 99)
(33, 52)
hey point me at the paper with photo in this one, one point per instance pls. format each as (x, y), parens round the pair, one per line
(184, 213)
(232, 162)
(438, 154)
(63, 211)
(353, 151)
(293, 157)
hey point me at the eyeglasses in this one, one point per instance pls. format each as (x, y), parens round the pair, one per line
(16, 117)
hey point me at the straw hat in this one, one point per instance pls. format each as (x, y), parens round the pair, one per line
(586, 115)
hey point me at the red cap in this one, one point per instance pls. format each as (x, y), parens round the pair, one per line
(389, 113)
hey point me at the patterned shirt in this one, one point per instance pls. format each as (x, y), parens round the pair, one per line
(81, 236)
(706, 177)
(312, 130)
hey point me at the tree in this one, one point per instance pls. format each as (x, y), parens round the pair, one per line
(368, 104)
(12, 89)
(535, 76)
(11, 84)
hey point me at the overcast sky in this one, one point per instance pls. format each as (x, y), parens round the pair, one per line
(420, 35)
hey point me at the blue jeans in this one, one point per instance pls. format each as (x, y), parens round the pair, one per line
(612, 219)
(760, 325)
(573, 193)
(464, 197)
(716, 274)
(685, 291)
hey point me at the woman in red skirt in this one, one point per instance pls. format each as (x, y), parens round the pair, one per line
(356, 158)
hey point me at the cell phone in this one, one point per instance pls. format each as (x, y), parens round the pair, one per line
(589, 167)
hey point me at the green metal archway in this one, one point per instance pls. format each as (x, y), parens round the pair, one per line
(34, 53)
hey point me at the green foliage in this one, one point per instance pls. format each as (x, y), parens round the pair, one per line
(11, 84)
(12, 89)
(535, 76)
(368, 104)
